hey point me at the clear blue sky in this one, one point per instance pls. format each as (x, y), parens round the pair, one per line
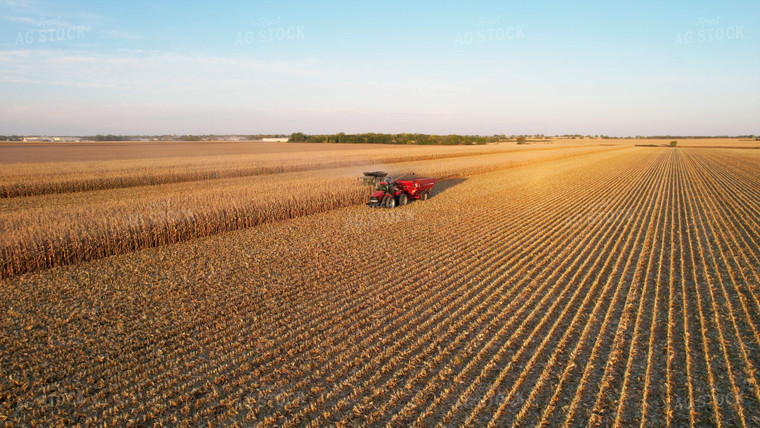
(554, 67)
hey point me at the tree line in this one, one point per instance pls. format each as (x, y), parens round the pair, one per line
(372, 138)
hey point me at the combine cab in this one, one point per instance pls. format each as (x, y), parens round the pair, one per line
(389, 192)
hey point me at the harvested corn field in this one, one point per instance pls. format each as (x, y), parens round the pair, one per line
(616, 286)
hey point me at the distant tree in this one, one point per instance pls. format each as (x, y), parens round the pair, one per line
(673, 143)
(297, 137)
(522, 139)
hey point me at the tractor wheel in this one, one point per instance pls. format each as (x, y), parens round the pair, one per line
(424, 196)
(402, 199)
(391, 202)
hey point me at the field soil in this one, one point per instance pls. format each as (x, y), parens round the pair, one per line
(616, 286)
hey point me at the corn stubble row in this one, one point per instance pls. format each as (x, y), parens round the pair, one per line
(616, 288)
(53, 230)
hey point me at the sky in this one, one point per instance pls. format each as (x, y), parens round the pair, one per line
(619, 68)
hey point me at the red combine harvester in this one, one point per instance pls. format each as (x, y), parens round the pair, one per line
(389, 193)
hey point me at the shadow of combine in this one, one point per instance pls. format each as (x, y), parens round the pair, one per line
(444, 185)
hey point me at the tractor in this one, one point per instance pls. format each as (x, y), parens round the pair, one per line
(389, 193)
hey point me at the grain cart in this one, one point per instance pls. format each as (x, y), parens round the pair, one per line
(389, 192)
